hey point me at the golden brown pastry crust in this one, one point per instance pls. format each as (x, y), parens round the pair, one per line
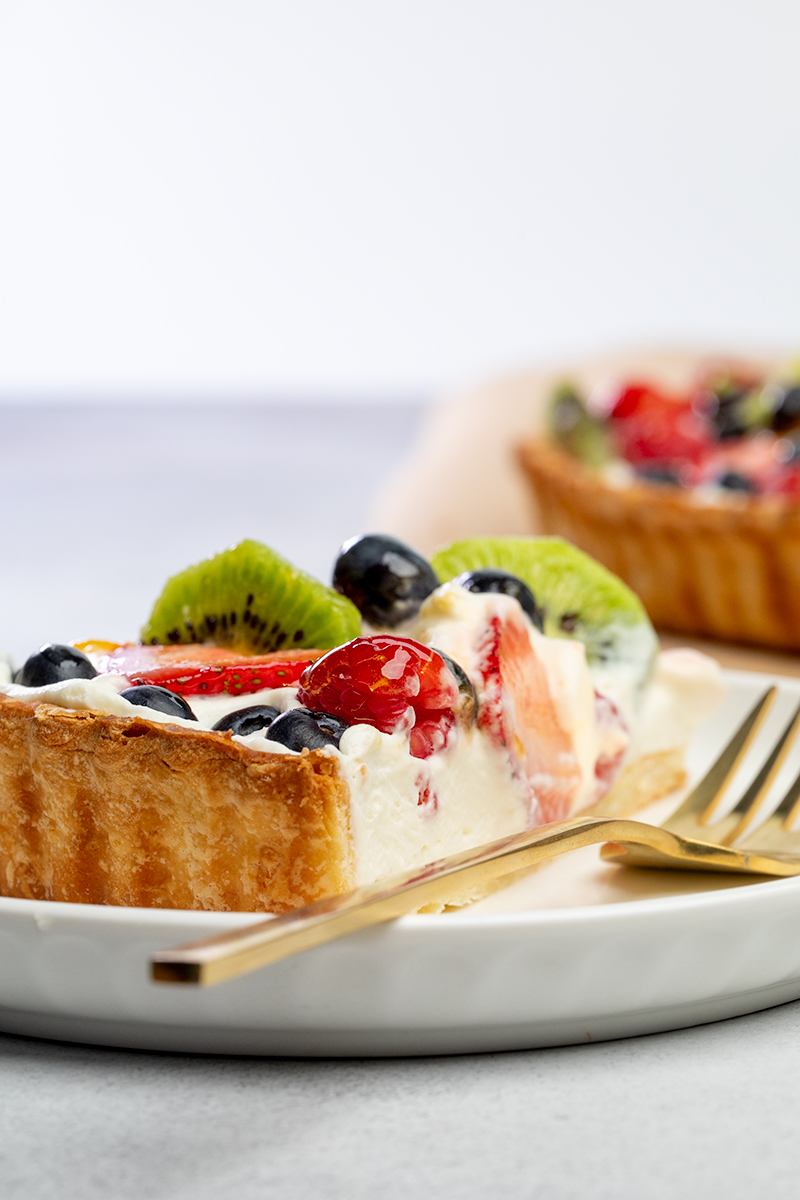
(728, 570)
(110, 810)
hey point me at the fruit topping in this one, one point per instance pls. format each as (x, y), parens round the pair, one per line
(490, 579)
(301, 729)
(205, 670)
(385, 579)
(726, 432)
(580, 598)
(160, 699)
(649, 425)
(328, 723)
(251, 600)
(786, 412)
(733, 409)
(735, 482)
(666, 476)
(393, 683)
(53, 663)
(578, 431)
(468, 702)
(518, 713)
(746, 465)
(256, 718)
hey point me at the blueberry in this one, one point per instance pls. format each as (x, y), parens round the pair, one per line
(53, 664)
(787, 411)
(299, 729)
(162, 700)
(466, 688)
(662, 475)
(727, 411)
(386, 580)
(735, 482)
(729, 424)
(255, 719)
(328, 723)
(489, 579)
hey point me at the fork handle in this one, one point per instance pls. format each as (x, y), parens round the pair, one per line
(463, 876)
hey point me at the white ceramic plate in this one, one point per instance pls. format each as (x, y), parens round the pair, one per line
(579, 951)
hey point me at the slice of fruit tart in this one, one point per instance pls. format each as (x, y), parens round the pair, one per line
(271, 741)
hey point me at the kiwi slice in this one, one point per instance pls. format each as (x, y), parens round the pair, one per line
(573, 426)
(252, 600)
(581, 599)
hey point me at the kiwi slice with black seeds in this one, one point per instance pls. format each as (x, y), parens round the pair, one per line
(581, 599)
(251, 600)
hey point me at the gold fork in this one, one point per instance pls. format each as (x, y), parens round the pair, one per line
(682, 842)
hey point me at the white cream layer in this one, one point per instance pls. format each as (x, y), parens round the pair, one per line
(102, 694)
(474, 800)
(685, 688)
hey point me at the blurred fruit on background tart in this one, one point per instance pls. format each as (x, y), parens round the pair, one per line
(691, 496)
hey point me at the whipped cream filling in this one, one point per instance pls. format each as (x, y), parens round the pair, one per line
(684, 688)
(405, 812)
(102, 694)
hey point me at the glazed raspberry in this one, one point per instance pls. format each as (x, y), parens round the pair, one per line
(393, 683)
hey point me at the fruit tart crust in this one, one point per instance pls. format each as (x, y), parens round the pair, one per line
(111, 810)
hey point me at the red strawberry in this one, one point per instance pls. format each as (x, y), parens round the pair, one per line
(203, 670)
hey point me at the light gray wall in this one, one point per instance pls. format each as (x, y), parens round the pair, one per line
(318, 197)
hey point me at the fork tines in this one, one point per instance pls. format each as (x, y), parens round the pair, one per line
(695, 817)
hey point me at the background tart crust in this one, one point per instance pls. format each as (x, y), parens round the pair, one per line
(109, 810)
(724, 570)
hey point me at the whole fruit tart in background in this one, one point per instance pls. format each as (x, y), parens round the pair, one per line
(271, 741)
(692, 496)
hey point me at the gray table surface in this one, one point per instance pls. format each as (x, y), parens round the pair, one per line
(100, 505)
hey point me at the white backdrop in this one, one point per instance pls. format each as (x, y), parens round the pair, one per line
(371, 197)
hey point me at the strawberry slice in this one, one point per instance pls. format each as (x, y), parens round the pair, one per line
(201, 670)
(518, 713)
